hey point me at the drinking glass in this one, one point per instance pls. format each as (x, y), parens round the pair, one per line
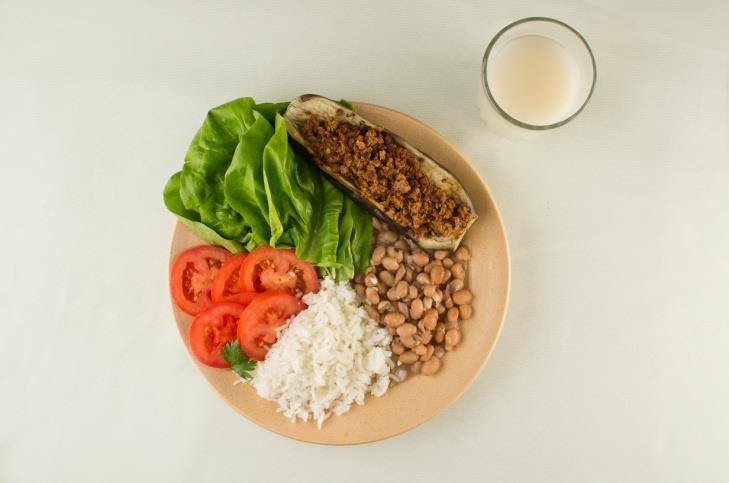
(583, 73)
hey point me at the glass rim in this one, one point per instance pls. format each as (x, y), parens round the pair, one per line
(502, 112)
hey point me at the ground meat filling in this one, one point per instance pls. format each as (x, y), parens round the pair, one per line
(387, 173)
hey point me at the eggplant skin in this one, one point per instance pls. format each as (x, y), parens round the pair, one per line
(311, 105)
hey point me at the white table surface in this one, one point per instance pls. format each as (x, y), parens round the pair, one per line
(614, 361)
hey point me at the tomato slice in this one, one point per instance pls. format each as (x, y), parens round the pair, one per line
(192, 276)
(267, 268)
(243, 298)
(258, 322)
(212, 329)
(226, 282)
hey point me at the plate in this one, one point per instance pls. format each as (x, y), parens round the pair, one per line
(418, 399)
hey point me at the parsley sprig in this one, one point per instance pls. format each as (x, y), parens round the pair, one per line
(238, 360)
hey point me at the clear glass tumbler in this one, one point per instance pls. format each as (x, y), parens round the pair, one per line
(537, 74)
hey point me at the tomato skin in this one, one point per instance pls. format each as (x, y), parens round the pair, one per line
(212, 329)
(258, 322)
(243, 298)
(268, 268)
(192, 274)
(226, 282)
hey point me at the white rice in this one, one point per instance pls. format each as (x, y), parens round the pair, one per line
(327, 357)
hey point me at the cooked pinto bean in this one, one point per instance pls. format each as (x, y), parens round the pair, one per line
(440, 254)
(420, 296)
(371, 280)
(372, 312)
(462, 254)
(466, 311)
(409, 275)
(458, 271)
(440, 331)
(406, 330)
(430, 366)
(385, 306)
(401, 289)
(400, 273)
(387, 237)
(394, 319)
(372, 296)
(463, 296)
(426, 336)
(408, 357)
(396, 347)
(430, 319)
(420, 259)
(439, 351)
(447, 276)
(408, 342)
(377, 255)
(387, 278)
(452, 315)
(453, 337)
(437, 297)
(437, 274)
(428, 354)
(455, 285)
(416, 309)
(390, 263)
(422, 279)
(448, 302)
(379, 225)
(403, 308)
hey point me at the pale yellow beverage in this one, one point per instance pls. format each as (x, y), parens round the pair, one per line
(535, 80)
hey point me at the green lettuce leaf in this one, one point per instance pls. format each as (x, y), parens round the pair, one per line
(270, 109)
(344, 250)
(320, 240)
(286, 204)
(191, 219)
(361, 239)
(207, 160)
(243, 185)
(346, 103)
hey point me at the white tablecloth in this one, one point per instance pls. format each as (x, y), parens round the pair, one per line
(613, 362)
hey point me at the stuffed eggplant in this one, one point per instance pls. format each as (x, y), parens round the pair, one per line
(384, 173)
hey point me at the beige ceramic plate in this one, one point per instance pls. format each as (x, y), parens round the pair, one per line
(419, 398)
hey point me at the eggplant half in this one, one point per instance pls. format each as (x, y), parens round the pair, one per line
(309, 105)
